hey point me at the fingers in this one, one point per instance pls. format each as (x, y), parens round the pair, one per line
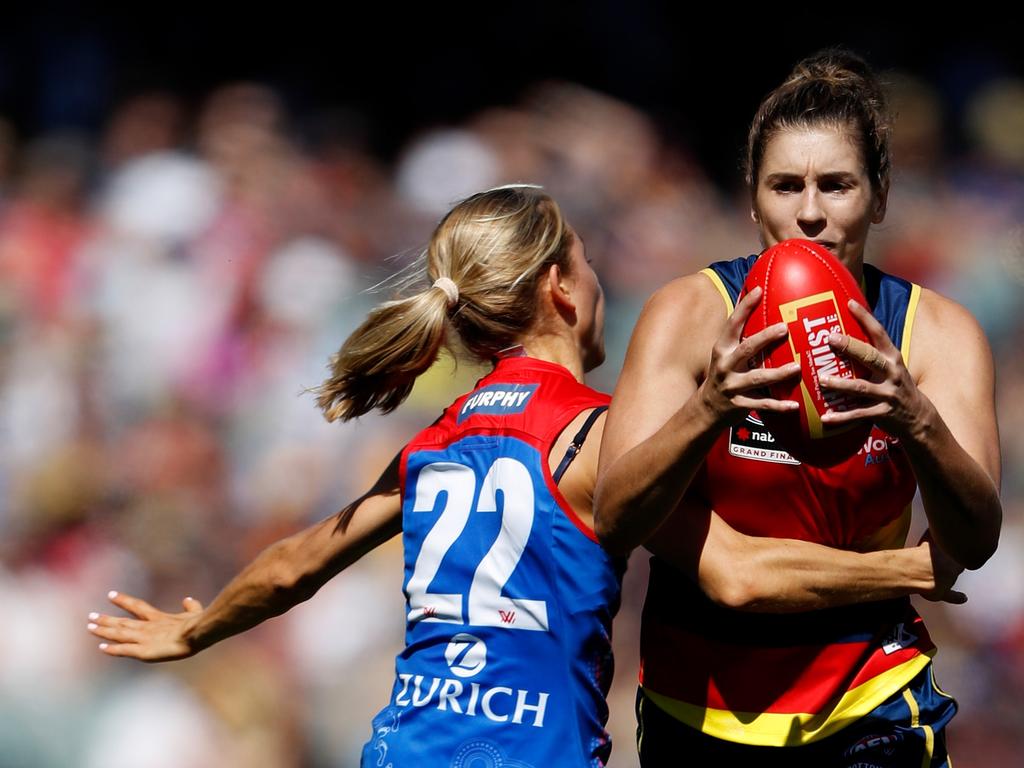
(766, 377)
(954, 597)
(117, 634)
(132, 605)
(876, 333)
(192, 605)
(863, 388)
(765, 404)
(129, 650)
(874, 413)
(738, 318)
(748, 351)
(865, 354)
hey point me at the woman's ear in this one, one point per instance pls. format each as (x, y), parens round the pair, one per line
(881, 201)
(559, 286)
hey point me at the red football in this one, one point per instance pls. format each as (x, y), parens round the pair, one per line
(807, 287)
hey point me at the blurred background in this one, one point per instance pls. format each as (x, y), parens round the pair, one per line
(191, 210)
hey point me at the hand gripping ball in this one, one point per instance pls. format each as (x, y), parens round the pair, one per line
(807, 287)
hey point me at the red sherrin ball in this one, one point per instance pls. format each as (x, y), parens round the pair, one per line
(807, 287)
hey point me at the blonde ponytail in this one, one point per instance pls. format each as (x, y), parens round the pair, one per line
(482, 266)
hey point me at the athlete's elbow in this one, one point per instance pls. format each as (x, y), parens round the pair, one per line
(732, 590)
(613, 540)
(973, 559)
(610, 532)
(972, 554)
(285, 583)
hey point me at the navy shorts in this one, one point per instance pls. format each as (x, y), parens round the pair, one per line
(907, 730)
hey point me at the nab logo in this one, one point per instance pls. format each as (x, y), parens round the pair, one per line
(466, 655)
(751, 440)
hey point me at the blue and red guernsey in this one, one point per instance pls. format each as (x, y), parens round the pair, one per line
(509, 596)
(782, 680)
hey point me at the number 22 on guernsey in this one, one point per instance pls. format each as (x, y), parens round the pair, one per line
(486, 605)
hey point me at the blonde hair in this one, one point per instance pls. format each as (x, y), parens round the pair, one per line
(493, 247)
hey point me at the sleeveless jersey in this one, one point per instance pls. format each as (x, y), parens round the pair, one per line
(778, 680)
(510, 598)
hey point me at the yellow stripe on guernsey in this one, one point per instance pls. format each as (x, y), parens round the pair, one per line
(713, 276)
(915, 722)
(908, 323)
(770, 729)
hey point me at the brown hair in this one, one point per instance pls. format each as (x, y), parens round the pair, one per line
(833, 87)
(492, 246)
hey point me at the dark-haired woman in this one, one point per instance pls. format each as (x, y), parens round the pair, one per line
(846, 685)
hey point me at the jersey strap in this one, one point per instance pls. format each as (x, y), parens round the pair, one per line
(577, 443)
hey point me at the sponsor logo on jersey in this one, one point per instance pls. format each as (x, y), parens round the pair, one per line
(887, 744)
(876, 448)
(752, 440)
(898, 639)
(497, 400)
(466, 655)
(499, 704)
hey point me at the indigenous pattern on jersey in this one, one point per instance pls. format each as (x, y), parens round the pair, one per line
(778, 680)
(509, 596)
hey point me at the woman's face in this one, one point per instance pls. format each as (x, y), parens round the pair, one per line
(589, 299)
(813, 185)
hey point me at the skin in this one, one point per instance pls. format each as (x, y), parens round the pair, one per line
(568, 330)
(687, 377)
(942, 406)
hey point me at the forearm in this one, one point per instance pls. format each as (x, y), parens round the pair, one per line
(639, 490)
(265, 588)
(960, 498)
(784, 575)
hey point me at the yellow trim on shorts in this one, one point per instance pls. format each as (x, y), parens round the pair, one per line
(770, 729)
(721, 288)
(908, 322)
(915, 722)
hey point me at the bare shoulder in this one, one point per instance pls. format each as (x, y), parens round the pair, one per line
(667, 358)
(680, 322)
(946, 334)
(577, 485)
(689, 298)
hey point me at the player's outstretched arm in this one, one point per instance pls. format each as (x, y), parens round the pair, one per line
(769, 575)
(283, 575)
(944, 415)
(671, 403)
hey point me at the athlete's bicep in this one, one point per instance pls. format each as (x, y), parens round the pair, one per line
(956, 372)
(667, 355)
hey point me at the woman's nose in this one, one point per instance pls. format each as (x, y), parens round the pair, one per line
(811, 215)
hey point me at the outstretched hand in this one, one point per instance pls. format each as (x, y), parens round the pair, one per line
(151, 635)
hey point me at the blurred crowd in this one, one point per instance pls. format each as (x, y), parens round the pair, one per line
(170, 289)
